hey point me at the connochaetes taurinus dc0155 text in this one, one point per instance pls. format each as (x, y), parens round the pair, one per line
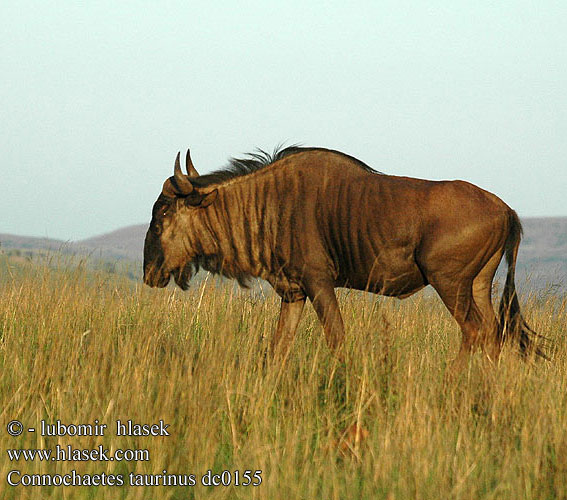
(308, 220)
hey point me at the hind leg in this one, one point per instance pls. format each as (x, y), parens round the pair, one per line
(489, 336)
(470, 304)
(459, 301)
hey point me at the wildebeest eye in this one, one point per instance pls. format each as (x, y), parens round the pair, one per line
(164, 211)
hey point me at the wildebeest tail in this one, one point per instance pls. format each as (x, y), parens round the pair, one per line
(512, 326)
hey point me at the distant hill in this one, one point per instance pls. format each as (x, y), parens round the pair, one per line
(123, 244)
(11, 241)
(127, 242)
(542, 258)
(545, 240)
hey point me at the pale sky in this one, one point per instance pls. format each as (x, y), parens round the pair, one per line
(97, 97)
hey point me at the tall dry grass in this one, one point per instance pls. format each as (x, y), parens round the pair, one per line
(78, 345)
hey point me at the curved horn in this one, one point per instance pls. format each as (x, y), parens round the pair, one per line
(191, 170)
(183, 183)
(177, 167)
(179, 184)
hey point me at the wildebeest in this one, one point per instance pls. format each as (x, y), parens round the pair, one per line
(308, 220)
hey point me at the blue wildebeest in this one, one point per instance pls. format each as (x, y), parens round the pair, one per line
(308, 220)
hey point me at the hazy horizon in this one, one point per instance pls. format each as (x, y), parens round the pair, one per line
(127, 226)
(98, 98)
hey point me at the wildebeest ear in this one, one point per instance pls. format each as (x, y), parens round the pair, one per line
(198, 200)
(191, 170)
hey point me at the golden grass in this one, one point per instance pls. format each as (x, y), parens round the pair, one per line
(78, 345)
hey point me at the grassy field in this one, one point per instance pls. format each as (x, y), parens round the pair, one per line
(79, 345)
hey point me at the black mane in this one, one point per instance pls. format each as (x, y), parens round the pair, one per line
(238, 167)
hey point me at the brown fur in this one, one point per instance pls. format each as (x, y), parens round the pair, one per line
(308, 220)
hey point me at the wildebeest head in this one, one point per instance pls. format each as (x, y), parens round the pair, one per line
(166, 251)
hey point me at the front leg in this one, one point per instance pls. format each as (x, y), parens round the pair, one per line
(290, 314)
(322, 295)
